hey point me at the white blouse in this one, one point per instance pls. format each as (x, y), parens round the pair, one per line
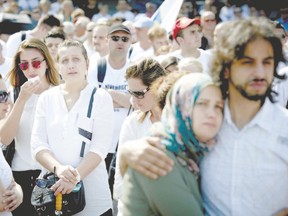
(56, 129)
(22, 159)
(132, 129)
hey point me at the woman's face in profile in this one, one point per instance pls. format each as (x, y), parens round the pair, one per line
(207, 113)
(141, 98)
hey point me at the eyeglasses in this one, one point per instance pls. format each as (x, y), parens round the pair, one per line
(44, 183)
(139, 94)
(209, 20)
(117, 38)
(4, 96)
(35, 64)
(47, 183)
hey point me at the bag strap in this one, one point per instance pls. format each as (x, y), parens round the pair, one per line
(23, 35)
(90, 106)
(102, 65)
(91, 103)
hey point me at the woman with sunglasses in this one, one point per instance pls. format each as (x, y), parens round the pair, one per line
(139, 77)
(57, 139)
(6, 177)
(192, 115)
(32, 73)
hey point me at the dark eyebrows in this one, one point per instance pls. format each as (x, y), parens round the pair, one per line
(250, 58)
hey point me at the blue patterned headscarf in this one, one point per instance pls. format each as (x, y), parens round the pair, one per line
(175, 127)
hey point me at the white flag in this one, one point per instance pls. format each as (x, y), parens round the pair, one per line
(167, 13)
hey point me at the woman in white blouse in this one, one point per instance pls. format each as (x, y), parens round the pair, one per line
(6, 177)
(32, 73)
(139, 78)
(55, 138)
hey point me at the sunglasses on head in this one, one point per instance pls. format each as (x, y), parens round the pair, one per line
(139, 94)
(4, 96)
(117, 38)
(35, 64)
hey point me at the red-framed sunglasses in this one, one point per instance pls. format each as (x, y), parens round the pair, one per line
(35, 64)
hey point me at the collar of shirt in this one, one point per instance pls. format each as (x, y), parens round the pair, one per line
(262, 119)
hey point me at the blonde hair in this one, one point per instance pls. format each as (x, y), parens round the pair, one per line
(156, 32)
(190, 64)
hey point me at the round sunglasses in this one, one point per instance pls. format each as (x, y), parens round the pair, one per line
(4, 96)
(117, 38)
(35, 64)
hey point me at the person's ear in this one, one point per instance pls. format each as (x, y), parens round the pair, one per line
(179, 39)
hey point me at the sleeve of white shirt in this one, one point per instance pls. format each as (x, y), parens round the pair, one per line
(12, 44)
(103, 126)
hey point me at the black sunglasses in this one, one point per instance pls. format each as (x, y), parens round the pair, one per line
(117, 38)
(139, 94)
(4, 96)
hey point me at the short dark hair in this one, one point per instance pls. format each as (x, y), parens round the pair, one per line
(49, 20)
(56, 32)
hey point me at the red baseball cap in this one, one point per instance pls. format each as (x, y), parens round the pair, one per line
(183, 23)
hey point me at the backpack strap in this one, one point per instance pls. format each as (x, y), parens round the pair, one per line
(102, 65)
(130, 52)
(23, 35)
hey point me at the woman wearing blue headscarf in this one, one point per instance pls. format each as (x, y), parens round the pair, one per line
(191, 117)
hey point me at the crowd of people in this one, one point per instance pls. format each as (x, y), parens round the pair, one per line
(192, 119)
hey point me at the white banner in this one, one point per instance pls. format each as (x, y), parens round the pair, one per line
(167, 13)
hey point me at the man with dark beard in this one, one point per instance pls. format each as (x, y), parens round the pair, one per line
(246, 173)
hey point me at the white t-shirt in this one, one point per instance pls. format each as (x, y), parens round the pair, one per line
(88, 48)
(56, 129)
(139, 52)
(4, 69)
(14, 41)
(114, 79)
(205, 58)
(127, 15)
